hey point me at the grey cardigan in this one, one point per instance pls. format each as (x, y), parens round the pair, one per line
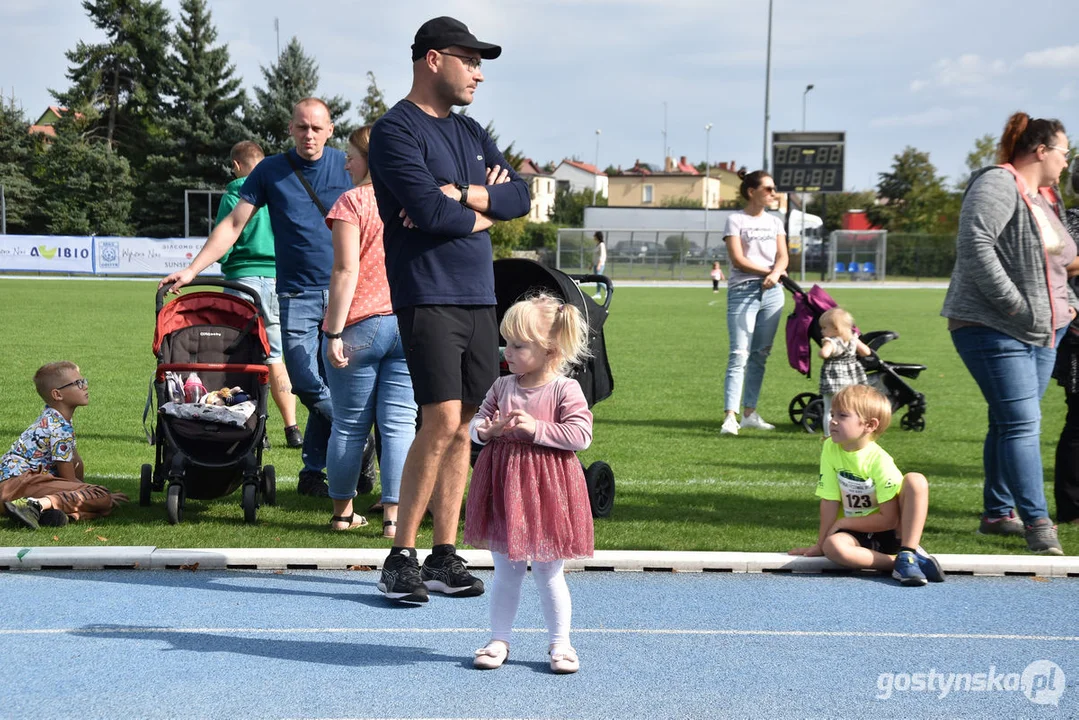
(1000, 279)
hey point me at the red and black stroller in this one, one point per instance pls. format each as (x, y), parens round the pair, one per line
(222, 338)
(516, 278)
(803, 325)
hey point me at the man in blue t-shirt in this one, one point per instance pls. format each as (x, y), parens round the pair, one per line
(304, 257)
(440, 183)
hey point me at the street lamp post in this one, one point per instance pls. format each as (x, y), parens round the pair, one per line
(803, 232)
(707, 179)
(767, 87)
(595, 183)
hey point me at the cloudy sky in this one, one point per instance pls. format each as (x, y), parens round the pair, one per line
(934, 74)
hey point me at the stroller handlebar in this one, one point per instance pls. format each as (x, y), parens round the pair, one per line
(599, 280)
(213, 282)
(793, 287)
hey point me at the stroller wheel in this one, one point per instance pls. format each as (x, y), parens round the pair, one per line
(174, 503)
(798, 405)
(269, 485)
(146, 485)
(912, 421)
(813, 416)
(249, 502)
(600, 481)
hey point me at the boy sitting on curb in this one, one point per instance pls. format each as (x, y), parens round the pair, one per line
(864, 497)
(41, 477)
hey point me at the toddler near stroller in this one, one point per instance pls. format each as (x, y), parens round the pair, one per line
(203, 450)
(804, 327)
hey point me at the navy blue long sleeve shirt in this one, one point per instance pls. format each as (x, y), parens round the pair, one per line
(440, 261)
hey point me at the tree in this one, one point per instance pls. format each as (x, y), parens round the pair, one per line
(506, 236)
(202, 124)
(17, 150)
(121, 77)
(85, 187)
(832, 210)
(569, 206)
(914, 197)
(374, 103)
(292, 78)
(682, 201)
(983, 154)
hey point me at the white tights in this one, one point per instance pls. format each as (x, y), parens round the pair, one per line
(553, 592)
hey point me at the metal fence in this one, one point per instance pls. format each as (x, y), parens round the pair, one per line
(644, 254)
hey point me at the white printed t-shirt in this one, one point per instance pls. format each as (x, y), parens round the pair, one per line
(759, 235)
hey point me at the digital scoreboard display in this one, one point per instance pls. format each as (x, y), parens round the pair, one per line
(808, 162)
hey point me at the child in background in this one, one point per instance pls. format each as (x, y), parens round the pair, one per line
(839, 349)
(528, 499)
(41, 477)
(717, 275)
(865, 499)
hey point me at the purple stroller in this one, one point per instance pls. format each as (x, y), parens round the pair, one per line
(803, 329)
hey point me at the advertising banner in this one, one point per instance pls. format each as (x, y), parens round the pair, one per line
(46, 253)
(145, 256)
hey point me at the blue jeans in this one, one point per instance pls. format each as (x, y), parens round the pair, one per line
(374, 386)
(1013, 377)
(752, 320)
(301, 333)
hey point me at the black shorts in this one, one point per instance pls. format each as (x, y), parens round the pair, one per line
(451, 350)
(886, 542)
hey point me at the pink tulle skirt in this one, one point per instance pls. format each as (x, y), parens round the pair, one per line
(529, 502)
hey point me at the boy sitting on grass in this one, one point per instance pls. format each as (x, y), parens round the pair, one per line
(864, 497)
(41, 477)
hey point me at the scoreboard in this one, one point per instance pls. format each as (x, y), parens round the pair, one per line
(808, 161)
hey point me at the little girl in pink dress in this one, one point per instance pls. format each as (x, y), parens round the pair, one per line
(528, 499)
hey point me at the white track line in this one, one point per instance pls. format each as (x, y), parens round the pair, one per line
(591, 631)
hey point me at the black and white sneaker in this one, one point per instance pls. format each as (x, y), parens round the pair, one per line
(400, 579)
(445, 572)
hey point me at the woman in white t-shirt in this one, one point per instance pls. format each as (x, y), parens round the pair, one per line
(757, 246)
(599, 259)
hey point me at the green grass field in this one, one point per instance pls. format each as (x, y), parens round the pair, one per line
(680, 485)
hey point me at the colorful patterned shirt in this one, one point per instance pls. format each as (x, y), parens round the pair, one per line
(372, 296)
(51, 439)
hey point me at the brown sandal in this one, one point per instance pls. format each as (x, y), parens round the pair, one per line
(354, 521)
(389, 528)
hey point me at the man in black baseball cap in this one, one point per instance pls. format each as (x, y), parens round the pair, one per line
(441, 183)
(443, 32)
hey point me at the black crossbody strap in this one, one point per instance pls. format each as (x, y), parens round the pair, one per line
(307, 186)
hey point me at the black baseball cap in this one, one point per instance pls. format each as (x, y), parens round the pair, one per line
(442, 32)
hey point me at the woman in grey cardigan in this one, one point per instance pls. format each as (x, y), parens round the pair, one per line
(1008, 305)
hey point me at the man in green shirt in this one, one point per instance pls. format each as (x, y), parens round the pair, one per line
(250, 262)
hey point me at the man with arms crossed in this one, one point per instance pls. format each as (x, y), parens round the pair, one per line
(304, 256)
(441, 183)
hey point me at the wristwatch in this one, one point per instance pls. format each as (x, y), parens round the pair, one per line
(332, 336)
(464, 192)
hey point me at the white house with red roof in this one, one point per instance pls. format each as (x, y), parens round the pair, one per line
(578, 176)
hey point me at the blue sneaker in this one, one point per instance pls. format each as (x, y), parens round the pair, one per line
(907, 570)
(929, 567)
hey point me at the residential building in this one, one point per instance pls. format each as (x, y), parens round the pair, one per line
(578, 176)
(50, 117)
(679, 184)
(542, 187)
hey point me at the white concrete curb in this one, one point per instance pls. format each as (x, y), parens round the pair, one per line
(149, 557)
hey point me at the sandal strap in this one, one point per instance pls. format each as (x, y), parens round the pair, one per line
(389, 523)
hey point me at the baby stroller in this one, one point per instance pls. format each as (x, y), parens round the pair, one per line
(222, 338)
(515, 278)
(807, 409)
